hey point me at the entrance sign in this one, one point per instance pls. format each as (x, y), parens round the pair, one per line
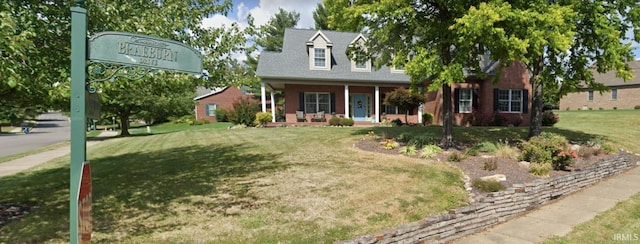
(144, 51)
(116, 54)
(84, 205)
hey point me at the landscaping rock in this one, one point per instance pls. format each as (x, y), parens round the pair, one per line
(496, 177)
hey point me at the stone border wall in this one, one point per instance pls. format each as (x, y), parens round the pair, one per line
(494, 208)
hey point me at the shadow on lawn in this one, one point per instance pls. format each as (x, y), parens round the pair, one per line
(136, 185)
(477, 133)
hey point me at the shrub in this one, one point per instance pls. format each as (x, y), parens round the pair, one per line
(549, 118)
(346, 122)
(515, 121)
(427, 118)
(405, 137)
(221, 115)
(488, 185)
(615, 108)
(389, 144)
(539, 169)
(507, 152)
(456, 156)
(430, 151)
(243, 112)
(490, 164)
(548, 148)
(498, 119)
(409, 150)
(334, 121)
(486, 147)
(420, 141)
(263, 118)
(636, 107)
(471, 151)
(600, 108)
(396, 122)
(587, 151)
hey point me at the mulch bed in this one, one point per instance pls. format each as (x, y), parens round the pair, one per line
(12, 211)
(515, 172)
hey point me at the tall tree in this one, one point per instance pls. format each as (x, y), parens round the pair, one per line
(320, 16)
(271, 35)
(341, 20)
(560, 42)
(420, 29)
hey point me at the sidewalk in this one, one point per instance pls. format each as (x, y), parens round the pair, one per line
(20, 164)
(558, 218)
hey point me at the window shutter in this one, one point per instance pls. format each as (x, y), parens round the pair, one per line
(474, 101)
(495, 100)
(301, 105)
(333, 103)
(456, 100)
(525, 101)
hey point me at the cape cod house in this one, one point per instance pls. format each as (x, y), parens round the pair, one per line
(319, 79)
(621, 94)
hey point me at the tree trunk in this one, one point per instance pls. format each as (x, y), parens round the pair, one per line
(447, 118)
(124, 124)
(535, 122)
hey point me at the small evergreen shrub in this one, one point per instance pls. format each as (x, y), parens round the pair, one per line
(427, 118)
(396, 122)
(430, 151)
(405, 137)
(456, 156)
(488, 185)
(490, 164)
(549, 118)
(334, 121)
(539, 169)
(263, 118)
(615, 108)
(346, 122)
(221, 115)
(409, 150)
(636, 107)
(548, 148)
(498, 119)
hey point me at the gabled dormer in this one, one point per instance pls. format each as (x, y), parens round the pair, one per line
(359, 61)
(319, 49)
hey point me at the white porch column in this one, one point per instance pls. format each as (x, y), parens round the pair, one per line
(420, 108)
(346, 101)
(263, 97)
(273, 106)
(377, 104)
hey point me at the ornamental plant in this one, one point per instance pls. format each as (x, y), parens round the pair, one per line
(263, 118)
(549, 118)
(548, 148)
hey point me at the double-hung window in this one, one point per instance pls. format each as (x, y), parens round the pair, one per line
(614, 94)
(360, 62)
(211, 109)
(510, 101)
(465, 101)
(317, 101)
(319, 58)
(590, 96)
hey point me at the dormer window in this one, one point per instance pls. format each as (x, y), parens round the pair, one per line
(319, 48)
(359, 61)
(319, 58)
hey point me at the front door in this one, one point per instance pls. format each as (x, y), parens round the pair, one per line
(359, 107)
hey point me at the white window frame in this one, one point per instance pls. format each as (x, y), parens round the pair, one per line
(316, 57)
(354, 64)
(614, 94)
(317, 102)
(211, 112)
(460, 101)
(510, 100)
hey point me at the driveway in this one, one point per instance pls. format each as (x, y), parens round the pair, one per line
(50, 129)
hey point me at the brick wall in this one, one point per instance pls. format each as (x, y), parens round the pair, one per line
(224, 99)
(493, 208)
(627, 99)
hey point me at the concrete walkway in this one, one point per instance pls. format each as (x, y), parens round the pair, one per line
(20, 164)
(559, 217)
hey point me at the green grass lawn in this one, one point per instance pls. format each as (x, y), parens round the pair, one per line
(194, 184)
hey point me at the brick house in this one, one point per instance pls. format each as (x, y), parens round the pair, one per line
(622, 95)
(208, 100)
(317, 75)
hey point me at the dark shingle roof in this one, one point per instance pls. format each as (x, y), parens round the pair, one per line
(293, 62)
(610, 79)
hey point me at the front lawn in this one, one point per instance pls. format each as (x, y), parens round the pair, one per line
(302, 185)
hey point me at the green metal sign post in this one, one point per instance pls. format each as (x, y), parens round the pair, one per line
(78, 113)
(110, 55)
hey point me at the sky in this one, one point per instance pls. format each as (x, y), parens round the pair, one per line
(262, 10)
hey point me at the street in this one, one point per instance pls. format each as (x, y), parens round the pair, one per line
(51, 128)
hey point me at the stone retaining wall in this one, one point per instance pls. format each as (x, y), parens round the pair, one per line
(493, 208)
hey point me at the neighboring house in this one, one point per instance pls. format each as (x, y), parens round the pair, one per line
(316, 74)
(622, 95)
(208, 100)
